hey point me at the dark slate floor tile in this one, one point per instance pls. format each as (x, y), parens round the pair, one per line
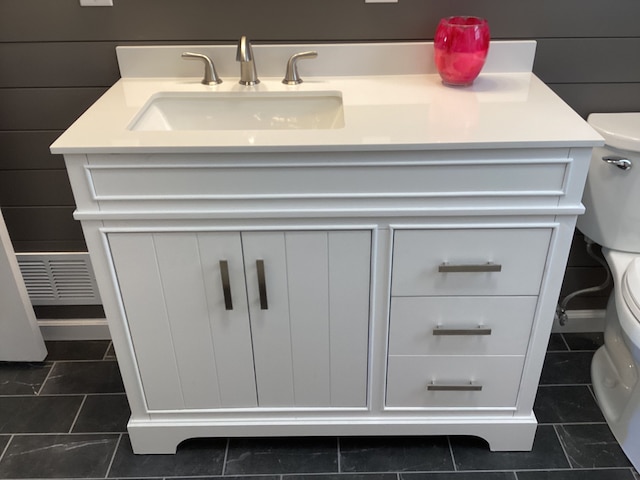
(38, 414)
(84, 377)
(566, 404)
(393, 454)
(342, 476)
(471, 453)
(604, 474)
(22, 378)
(231, 477)
(556, 343)
(459, 476)
(77, 350)
(198, 457)
(103, 413)
(561, 368)
(58, 456)
(591, 446)
(584, 341)
(281, 455)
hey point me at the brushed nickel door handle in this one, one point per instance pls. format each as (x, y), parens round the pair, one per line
(469, 268)
(464, 387)
(462, 331)
(226, 284)
(262, 285)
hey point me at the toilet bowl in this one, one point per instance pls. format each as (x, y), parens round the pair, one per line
(612, 219)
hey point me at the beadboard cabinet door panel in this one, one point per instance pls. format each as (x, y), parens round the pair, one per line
(349, 314)
(177, 305)
(135, 262)
(301, 340)
(230, 328)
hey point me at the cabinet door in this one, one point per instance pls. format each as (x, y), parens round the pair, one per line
(309, 307)
(191, 351)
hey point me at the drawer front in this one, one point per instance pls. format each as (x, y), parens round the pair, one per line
(453, 381)
(484, 261)
(460, 325)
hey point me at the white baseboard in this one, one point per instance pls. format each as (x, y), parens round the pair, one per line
(75, 329)
(581, 321)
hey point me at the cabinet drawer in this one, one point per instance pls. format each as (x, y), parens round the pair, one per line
(453, 381)
(460, 325)
(466, 261)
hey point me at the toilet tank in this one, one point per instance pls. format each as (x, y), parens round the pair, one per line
(612, 194)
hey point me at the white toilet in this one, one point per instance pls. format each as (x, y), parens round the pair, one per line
(612, 219)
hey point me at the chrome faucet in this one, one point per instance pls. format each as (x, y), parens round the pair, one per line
(248, 73)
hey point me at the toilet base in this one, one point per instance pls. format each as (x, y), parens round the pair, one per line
(613, 371)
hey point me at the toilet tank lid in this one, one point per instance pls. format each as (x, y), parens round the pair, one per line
(620, 130)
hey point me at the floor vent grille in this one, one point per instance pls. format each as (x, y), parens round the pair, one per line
(59, 278)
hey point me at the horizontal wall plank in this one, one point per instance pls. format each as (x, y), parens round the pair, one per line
(42, 224)
(70, 64)
(29, 150)
(308, 20)
(600, 97)
(22, 188)
(588, 60)
(51, 312)
(44, 108)
(26, 246)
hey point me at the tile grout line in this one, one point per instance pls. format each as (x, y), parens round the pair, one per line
(104, 357)
(564, 450)
(453, 458)
(113, 456)
(75, 420)
(226, 455)
(53, 365)
(6, 447)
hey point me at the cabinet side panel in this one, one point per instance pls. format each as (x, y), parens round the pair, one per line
(134, 260)
(349, 287)
(230, 330)
(270, 328)
(308, 284)
(186, 303)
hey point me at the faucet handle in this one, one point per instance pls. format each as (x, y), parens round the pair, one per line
(291, 76)
(210, 74)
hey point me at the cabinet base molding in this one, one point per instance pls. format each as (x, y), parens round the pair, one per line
(501, 433)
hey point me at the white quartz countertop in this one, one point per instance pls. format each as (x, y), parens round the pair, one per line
(407, 111)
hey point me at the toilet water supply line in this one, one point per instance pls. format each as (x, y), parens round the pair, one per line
(561, 309)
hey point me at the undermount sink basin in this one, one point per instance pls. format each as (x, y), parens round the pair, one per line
(241, 111)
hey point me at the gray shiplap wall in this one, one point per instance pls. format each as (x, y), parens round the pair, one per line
(56, 58)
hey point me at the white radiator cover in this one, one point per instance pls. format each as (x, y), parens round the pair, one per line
(59, 278)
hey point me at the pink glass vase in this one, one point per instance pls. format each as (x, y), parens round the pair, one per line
(461, 45)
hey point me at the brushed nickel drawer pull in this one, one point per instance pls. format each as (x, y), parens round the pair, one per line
(462, 331)
(262, 285)
(470, 268)
(226, 284)
(470, 387)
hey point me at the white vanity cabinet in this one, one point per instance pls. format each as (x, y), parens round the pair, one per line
(394, 274)
(247, 319)
(282, 299)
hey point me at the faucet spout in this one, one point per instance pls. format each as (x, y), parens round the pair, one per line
(244, 55)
